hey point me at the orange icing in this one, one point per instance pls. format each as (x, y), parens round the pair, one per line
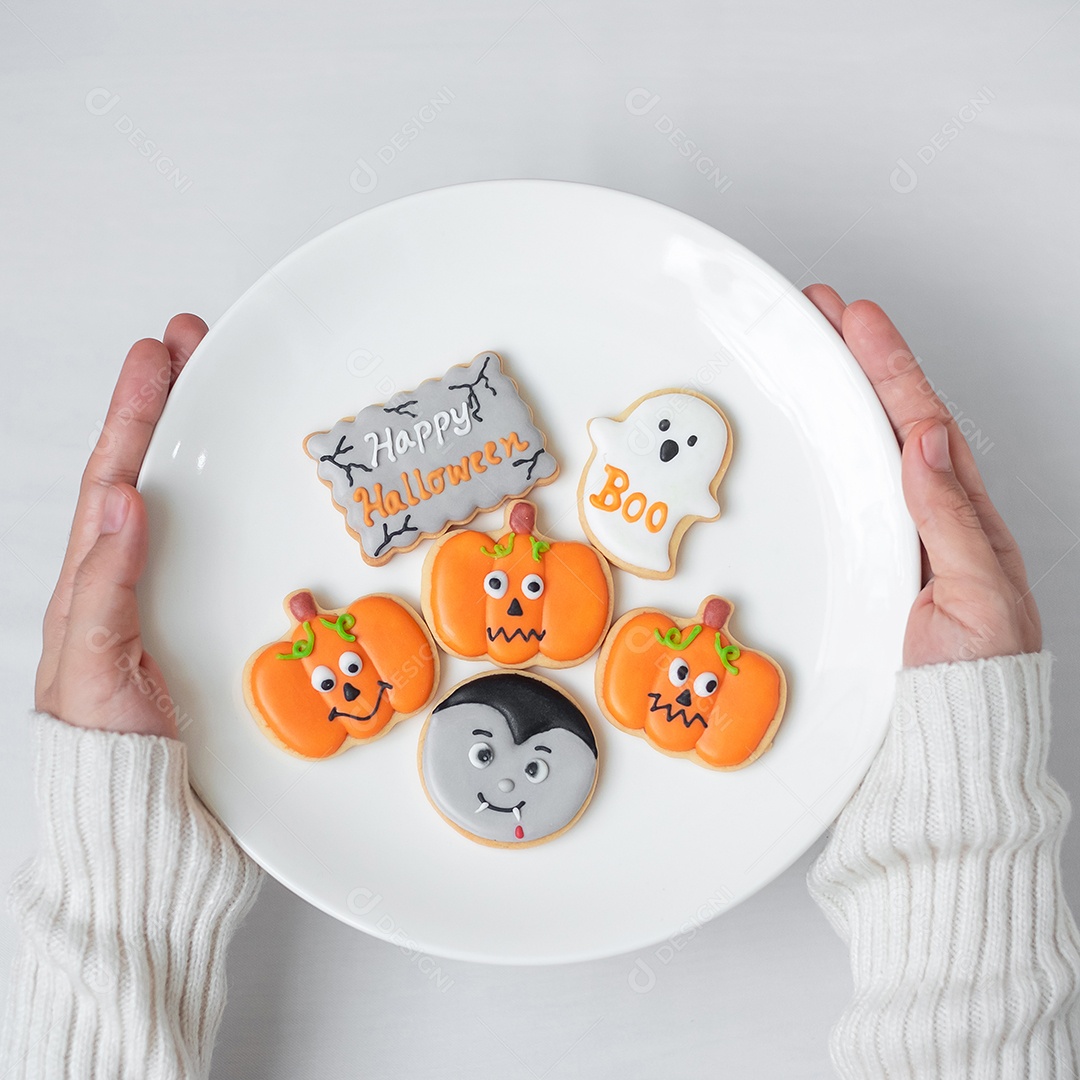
(394, 648)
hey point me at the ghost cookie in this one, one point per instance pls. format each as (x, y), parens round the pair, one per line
(654, 471)
(342, 676)
(431, 457)
(508, 759)
(517, 598)
(689, 688)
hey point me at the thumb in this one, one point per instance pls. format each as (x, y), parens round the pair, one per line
(949, 527)
(103, 624)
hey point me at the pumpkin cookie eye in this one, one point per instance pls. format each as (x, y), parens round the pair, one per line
(495, 584)
(481, 755)
(537, 771)
(350, 663)
(323, 679)
(679, 672)
(532, 586)
(706, 684)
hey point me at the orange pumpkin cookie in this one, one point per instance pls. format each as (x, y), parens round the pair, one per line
(518, 599)
(343, 676)
(689, 688)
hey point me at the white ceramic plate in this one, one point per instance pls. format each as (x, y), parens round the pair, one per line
(593, 298)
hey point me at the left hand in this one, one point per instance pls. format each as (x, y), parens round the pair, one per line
(94, 672)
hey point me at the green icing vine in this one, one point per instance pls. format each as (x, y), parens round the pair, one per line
(727, 654)
(538, 547)
(301, 648)
(501, 550)
(674, 639)
(341, 626)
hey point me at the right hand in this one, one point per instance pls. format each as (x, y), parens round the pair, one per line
(975, 601)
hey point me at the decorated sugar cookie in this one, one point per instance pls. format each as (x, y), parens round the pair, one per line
(517, 598)
(431, 457)
(654, 471)
(508, 759)
(342, 675)
(689, 688)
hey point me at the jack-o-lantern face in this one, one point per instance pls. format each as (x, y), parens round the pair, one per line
(517, 599)
(689, 688)
(346, 673)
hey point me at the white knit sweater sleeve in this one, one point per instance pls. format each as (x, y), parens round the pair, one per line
(124, 915)
(943, 874)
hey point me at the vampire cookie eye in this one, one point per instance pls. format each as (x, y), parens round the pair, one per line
(537, 771)
(679, 672)
(481, 754)
(322, 678)
(706, 684)
(350, 663)
(532, 586)
(495, 584)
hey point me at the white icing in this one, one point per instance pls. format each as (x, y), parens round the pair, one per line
(680, 484)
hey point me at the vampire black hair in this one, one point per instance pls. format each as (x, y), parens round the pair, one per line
(528, 706)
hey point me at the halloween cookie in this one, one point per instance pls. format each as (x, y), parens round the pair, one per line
(689, 688)
(431, 457)
(508, 759)
(518, 598)
(342, 675)
(654, 471)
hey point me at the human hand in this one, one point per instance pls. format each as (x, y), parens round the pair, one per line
(94, 672)
(975, 601)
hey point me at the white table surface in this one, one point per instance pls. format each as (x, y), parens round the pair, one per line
(279, 120)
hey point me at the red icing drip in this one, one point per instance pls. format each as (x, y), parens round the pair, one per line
(302, 606)
(519, 832)
(717, 612)
(523, 518)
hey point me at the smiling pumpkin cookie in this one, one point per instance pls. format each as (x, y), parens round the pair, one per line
(343, 675)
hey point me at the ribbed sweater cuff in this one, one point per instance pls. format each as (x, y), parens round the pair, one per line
(943, 874)
(125, 913)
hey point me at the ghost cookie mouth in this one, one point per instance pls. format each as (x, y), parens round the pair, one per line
(485, 805)
(675, 714)
(383, 687)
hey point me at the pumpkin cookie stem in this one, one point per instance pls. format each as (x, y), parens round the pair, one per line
(523, 518)
(717, 612)
(302, 606)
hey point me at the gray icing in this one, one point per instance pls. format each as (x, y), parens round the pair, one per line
(480, 795)
(433, 456)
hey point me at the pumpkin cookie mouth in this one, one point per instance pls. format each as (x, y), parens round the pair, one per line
(485, 805)
(383, 687)
(525, 635)
(675, 714)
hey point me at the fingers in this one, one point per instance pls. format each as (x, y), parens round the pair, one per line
(949, 527)
(827, 300)
(909, 399)
(892, 369)
(103, 623)
(182, 335)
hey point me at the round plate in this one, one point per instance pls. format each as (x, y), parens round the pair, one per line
(593, 298)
